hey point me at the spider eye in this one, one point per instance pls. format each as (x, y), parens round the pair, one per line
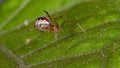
(44, 18)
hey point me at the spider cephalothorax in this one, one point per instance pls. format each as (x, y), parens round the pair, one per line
(44, 24)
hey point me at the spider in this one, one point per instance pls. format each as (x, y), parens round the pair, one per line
(46, 24)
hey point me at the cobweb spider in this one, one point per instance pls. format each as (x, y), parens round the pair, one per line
(47, 24)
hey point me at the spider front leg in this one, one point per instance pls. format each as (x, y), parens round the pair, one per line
(48, 15)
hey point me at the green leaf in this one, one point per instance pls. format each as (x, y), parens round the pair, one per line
(90, 38)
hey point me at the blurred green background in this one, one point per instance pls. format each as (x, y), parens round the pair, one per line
(89, 39)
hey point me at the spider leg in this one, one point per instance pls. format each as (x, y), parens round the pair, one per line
(63, 23)
(56, 18)
(56, 36)
(31, 29)
(48, 15)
